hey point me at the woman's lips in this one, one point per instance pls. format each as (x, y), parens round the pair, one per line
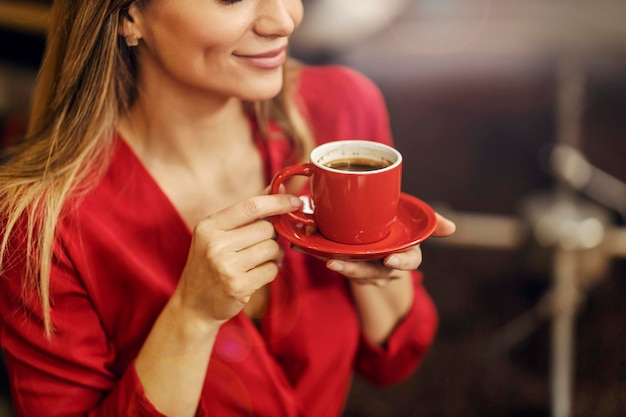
(266, 60)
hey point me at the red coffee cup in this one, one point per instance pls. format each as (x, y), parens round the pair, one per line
(355, 189)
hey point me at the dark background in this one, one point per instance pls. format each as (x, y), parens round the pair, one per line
(473, 120)
(475, 146)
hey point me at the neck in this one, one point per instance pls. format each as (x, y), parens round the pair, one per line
(172, 121)
(180, 133)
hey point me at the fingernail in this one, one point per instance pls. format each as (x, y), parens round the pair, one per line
(295, 201)
(335, 266)
(393, 262)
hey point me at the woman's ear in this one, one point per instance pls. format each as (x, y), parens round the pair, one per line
(130, 29)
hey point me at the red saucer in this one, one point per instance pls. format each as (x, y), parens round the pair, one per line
(416, 221)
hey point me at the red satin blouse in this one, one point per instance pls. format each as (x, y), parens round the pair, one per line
(118, 258)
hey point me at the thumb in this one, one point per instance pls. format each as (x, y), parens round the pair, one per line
(445, 227)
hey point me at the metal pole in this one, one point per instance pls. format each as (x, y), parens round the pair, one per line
(562, 352)
(570, 103)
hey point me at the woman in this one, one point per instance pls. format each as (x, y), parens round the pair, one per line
(141, 275)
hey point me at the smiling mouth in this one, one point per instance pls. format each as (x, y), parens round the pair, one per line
(266, 60)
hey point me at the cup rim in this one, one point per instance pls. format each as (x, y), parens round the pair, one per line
(356, 142)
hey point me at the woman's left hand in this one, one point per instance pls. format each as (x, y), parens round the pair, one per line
(382, 272)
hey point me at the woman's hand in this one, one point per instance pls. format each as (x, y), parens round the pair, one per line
(233, 253)
(382, 306)
(381, 272)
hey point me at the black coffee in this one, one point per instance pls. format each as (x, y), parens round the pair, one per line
(358, 164)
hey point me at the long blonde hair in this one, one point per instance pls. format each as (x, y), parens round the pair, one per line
(86, 81)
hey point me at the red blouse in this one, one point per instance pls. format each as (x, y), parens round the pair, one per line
(118, 259)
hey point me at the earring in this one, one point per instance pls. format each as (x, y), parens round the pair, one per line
(131, 40)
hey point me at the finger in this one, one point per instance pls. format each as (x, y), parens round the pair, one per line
(445, 226)
(262, 275)
(251, 234)
(259, 254)
(218, 242)
(255, 208)
(378, 282)
(406, 261)
(359, 270)
(241, 285)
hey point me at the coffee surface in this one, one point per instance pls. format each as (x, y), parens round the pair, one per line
(358, 164)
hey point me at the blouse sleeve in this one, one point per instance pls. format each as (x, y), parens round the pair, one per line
(70, 373)
(407, 345)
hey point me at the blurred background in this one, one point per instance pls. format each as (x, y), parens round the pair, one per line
(509, 114)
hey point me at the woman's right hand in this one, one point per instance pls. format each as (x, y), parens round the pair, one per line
(233, 253)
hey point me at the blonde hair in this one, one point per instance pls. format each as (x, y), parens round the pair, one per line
(86, 81)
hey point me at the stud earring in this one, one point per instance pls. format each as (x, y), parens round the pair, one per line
(131, 40)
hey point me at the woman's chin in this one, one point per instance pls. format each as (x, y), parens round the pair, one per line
(262, 89)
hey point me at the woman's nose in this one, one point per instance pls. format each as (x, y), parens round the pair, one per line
(278, 17)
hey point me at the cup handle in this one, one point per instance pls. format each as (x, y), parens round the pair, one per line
(284, 174)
